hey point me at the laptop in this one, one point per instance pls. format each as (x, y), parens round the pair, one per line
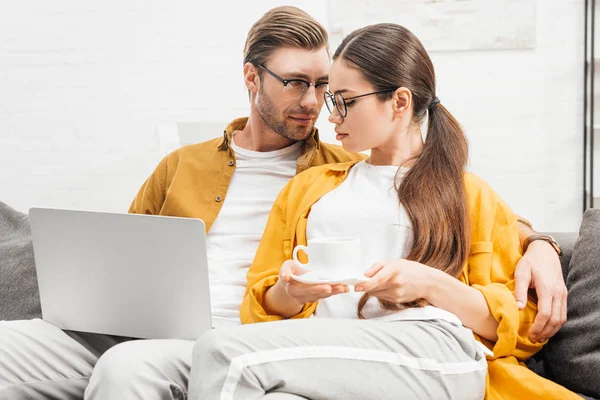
(132, 275)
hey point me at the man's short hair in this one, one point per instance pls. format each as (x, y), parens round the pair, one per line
(283, 27)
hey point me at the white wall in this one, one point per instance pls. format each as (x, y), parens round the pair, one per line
(83, 88)
(523, 111)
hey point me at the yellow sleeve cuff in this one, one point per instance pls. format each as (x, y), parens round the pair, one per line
(513, 324)
(252, 308)
(503, 307)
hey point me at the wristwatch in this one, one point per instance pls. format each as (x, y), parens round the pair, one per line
(546, 238)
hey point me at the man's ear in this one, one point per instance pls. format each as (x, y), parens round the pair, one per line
(251, 78)
(401, 100)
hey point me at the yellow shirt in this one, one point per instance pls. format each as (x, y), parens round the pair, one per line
(192, 181)
(495, 251)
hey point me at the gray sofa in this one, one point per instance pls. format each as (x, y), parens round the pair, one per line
(571, 358)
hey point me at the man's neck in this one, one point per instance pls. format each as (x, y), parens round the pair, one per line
(256, 136)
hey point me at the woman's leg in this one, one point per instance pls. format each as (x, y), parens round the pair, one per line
(339, 359)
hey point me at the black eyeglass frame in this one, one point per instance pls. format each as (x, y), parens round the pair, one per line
(285, 82)
(344, 112)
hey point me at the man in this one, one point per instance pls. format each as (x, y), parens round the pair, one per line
(231, 183)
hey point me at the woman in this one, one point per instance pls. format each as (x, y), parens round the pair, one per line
(410, 330)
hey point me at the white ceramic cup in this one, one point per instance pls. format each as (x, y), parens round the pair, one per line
(333, 257)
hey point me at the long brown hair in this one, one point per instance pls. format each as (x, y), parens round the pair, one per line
(432, 191)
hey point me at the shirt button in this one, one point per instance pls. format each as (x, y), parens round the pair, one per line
(218, 198)
(230, 163)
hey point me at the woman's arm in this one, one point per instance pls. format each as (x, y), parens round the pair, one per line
(484, 301)
(278, 302)
(287, 297)
(495, 253)
(269, 298)
(258, 305)
(404, 281)
(467, 303)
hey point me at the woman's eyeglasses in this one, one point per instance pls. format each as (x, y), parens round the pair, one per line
(339, 102)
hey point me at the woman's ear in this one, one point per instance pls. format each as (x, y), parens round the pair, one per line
(401, 100)
(251, 78)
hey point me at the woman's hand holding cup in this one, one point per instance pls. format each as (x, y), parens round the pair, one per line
(303, 293)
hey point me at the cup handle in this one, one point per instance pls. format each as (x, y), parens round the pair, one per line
(295, 254)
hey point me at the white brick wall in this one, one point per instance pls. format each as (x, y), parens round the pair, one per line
(83, 87)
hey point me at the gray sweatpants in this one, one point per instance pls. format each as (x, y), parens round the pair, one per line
(39, 361)
(339, 359)
(148, 370)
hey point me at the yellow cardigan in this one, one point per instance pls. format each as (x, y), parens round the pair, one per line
(495, 251)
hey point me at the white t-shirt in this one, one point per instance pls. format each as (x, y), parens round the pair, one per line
(365, 206)
(234, 236)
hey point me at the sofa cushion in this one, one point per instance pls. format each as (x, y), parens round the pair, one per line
(566, 240)
(19, 296)
(572, 357)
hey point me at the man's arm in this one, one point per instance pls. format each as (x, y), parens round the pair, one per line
(540, 269)
(525, 229)
(151, 196)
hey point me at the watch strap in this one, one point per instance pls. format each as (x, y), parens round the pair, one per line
(546, 238)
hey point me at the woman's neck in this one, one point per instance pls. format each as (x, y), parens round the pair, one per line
(403, 149)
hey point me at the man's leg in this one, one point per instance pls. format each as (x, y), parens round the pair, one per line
(142, 369)
(39, 361)
(282, 396)
(339, 359)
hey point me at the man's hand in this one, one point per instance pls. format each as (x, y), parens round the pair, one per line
(540, 269)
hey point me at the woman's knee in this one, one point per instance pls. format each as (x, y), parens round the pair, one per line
(209, 346)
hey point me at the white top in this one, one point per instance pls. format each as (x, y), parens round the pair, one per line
(366, 206)
(234, 236)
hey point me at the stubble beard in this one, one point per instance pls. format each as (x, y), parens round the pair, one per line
(269, 113)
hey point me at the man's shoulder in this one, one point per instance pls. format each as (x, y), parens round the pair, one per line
(197, 151)
(209, 146)
(333, 153)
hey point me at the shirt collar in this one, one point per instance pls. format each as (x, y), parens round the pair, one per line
(342, 167)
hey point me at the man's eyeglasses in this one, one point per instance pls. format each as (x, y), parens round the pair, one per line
(339, 102)
(296, 88)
